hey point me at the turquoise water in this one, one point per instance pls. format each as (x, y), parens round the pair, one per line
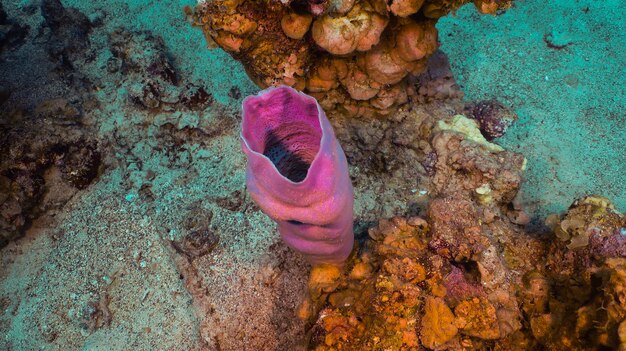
(571, 101)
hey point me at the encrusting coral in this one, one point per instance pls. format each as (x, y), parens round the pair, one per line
(354, 56)
(403, 292)
(413, 287)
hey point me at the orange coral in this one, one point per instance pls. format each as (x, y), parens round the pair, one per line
(354, 56)
(359, 29)
(486, 6)
(416, 41)
(404, 8)
(406, 289)
(295, 25)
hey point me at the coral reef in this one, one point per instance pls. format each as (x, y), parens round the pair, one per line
(166, 249)
(356, 57)
(400, 144)
(399, 294)
(578, 300)
(443, 283)
(468, 274)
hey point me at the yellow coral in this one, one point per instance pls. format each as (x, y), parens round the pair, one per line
(469, 129)
(323, 278)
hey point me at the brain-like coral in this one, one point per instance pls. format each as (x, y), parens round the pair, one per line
(354, 56)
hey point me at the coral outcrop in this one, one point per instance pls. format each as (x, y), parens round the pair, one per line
(454, 282)
(441, 281)
(468, 274)
(578, 301)
(355, 56)
(405, 292)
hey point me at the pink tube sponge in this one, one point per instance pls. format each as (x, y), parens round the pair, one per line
(298, 174)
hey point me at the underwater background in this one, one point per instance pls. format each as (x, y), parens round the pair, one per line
(125, 223)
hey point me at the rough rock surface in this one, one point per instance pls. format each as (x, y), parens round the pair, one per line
(407, 289)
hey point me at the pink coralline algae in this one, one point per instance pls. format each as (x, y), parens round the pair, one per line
(298, 174)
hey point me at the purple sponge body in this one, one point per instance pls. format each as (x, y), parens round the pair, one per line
(313, 212)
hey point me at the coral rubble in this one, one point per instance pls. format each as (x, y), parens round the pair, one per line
(355, 56)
